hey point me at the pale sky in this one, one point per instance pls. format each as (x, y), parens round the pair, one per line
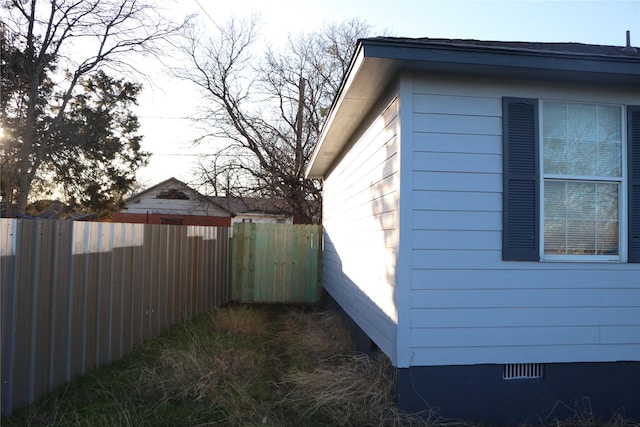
(162, 107)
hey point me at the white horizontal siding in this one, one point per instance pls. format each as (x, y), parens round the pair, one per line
(477, 201)
(507, 336)
(552, 353)
(458, 162)
(525, 298)
(174, 207)
(262, 219)
(360, 219)
(196, 204)
(354, 301)
(457, 239)
(460, 181)
(465, 125)
(459, 220)
(467, 305)
(474, 106)
(523, 276)
(457, 143)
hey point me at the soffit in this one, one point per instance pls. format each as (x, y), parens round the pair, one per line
(379, 61)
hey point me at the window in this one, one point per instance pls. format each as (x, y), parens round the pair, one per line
(173, 194)
(567, 191)
(582, 152)
(172, 221)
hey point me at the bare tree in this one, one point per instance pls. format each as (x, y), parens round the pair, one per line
(61, 42)
(270, 107)
(217, 173)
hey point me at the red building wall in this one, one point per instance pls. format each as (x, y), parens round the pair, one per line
(218, 221)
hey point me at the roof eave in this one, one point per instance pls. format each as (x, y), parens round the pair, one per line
(152, 188)
(378, 61)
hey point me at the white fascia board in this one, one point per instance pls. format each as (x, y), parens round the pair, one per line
(326, 143)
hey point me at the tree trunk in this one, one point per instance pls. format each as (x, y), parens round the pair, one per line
(299, 127)
(26, 164)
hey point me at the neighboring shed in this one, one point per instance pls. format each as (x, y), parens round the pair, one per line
(481, 211)
(264, 210)
(172, 202)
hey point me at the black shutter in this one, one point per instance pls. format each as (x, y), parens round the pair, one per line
(520, 194)
(633, 154)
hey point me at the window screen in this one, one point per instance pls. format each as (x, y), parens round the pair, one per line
(582, 166)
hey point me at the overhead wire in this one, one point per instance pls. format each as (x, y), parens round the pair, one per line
(205, 12)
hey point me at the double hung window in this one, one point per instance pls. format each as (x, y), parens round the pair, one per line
(571, 181)
(582, 162)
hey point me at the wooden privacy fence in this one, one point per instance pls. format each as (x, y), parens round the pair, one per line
(76, 295)
(276, 263)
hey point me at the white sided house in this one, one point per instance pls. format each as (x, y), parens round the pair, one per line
(259, 210)
(481, 211)
(173, 202)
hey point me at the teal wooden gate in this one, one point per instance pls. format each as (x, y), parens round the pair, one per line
(276, 263)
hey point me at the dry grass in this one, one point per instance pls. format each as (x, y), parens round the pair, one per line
(277, 366)
(355, 389)
(218, 370)
(329, 382)
(243, 366)
(583, 416)
(241, 320)
(348, 379)
(305, 339)
(196, 374)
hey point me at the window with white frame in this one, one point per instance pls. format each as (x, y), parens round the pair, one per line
(582, 168)
(571, 181)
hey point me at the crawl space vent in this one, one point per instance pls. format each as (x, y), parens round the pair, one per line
(521, 371)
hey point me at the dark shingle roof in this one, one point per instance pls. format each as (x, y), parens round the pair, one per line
(244, 205)
(379, 60)
(539, 47)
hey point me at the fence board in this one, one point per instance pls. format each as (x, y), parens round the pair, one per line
(40, 338)
(24, 322)
(59, 319)
(276, 263)
(116, 286)
(78, 295)
(7, 304)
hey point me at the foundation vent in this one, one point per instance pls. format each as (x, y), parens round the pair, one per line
(520, 371)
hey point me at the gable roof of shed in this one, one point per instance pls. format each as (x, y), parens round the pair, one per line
(232, 205)
(174, 184)
(378, 60)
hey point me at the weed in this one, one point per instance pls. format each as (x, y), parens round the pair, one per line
(349, 389)
(240, 366)
(241, 320)
(307, 338)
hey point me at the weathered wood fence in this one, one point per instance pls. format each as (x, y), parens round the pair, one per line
(275, 263)
(76, 295)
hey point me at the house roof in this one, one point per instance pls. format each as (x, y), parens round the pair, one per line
(232, 205)
(539, 47)
(171, 181)
(174, 187)
(378, 61)
(252, 205)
